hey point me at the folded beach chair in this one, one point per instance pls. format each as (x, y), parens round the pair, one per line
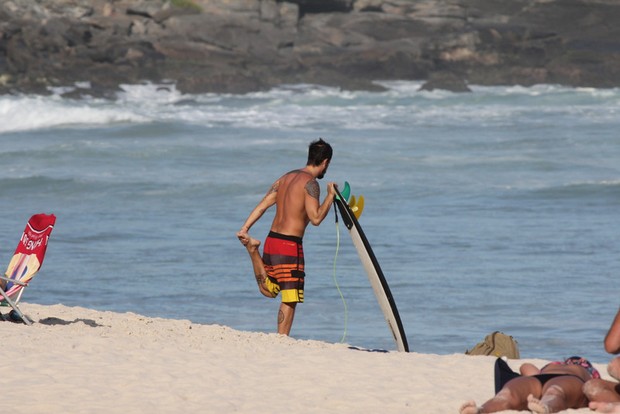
(26, 262)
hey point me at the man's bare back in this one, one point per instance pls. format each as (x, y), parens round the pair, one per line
(292, 189)
(297, 198)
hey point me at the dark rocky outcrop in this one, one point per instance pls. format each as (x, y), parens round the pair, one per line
(246, 45)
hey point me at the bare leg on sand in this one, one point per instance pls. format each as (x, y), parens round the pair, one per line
(559, 394)
(600, 390)
(512, 397)
(285, 317)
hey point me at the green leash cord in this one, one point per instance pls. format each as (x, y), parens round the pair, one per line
(344, 303)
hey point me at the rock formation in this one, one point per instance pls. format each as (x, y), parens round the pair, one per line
(238, 46)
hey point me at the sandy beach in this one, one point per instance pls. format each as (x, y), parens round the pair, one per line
(77, 360)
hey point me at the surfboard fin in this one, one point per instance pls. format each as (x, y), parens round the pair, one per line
(346, 191)
(357, 206)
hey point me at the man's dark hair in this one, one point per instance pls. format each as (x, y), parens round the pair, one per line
(319, 151)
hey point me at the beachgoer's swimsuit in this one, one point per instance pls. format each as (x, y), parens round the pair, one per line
(283, 256)
(503, 373)
(543, 378)
(575, 360)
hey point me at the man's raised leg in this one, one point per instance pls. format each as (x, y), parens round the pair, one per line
(260, 274)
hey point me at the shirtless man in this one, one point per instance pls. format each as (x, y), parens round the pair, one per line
(605, 395)
(296, 195)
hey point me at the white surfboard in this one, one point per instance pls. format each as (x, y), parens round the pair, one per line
(375, 275)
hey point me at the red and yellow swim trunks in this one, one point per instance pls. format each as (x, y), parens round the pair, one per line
(284, 263)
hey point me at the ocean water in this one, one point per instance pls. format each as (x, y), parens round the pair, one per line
(494, 210)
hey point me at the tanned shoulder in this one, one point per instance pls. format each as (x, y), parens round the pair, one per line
(313, 189)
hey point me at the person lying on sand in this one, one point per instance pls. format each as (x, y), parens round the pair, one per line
(555, 387)
(604, 395)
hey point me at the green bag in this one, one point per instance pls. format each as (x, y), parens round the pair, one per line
(497, 344)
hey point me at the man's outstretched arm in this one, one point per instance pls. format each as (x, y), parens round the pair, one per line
(267, 201)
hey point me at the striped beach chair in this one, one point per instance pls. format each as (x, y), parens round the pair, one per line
(25, 264)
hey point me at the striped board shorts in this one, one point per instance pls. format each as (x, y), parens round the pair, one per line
(283, 257)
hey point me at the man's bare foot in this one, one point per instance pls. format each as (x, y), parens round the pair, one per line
(248, 241)
(252, 244)
(605, 407)
(469, 408)
(536, 406)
